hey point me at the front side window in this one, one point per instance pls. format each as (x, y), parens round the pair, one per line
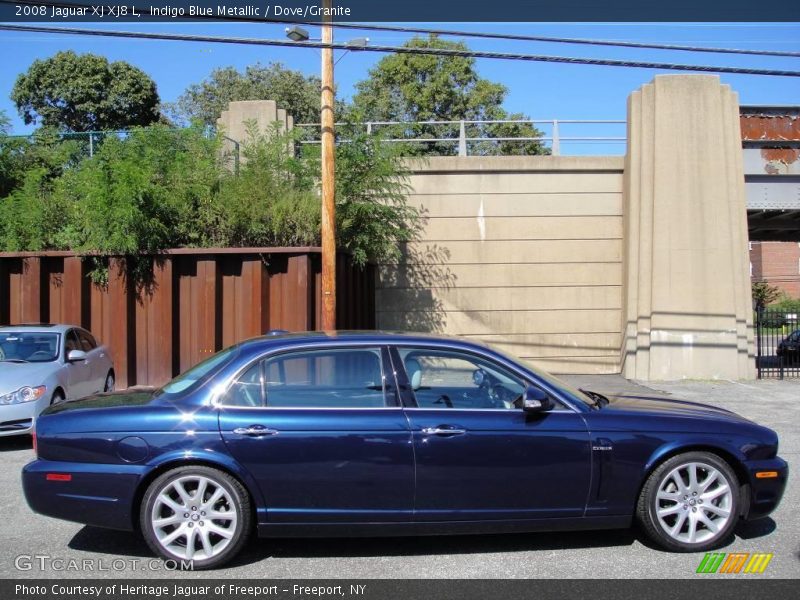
(87, 341)
(71, 343)
(330, 378)
(451, 379)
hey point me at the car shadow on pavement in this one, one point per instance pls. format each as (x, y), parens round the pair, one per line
(16, 442)
(260, 549)
(126, 543)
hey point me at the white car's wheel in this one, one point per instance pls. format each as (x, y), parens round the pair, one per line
(109, 386)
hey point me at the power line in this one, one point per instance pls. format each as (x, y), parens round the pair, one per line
(560, 40)
(399, 50)
(458, 33)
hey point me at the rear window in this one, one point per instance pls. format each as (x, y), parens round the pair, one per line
(200, 373)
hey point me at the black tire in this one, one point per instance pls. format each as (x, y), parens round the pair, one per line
(58, 396)
(106, 386)
(648, 503)
(240, 503)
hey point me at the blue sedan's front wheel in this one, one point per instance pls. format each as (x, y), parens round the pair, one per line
(690, 503)
(196, 514)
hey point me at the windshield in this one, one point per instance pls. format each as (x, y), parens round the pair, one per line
(551, 379)
(200, 373)
(28, 346)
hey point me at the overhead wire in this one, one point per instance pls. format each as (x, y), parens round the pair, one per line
(449, 32)
(400, 50)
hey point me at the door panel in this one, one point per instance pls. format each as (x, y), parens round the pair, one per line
(479, 456)
(325, 464)
(322, 434)
(506, 465)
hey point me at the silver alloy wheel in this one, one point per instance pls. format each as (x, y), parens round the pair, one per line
(194, 517)
(694, 502)
(109, 383)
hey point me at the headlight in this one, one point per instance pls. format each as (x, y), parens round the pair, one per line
(23, 394)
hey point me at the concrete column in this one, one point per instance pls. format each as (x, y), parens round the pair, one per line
(687, 300)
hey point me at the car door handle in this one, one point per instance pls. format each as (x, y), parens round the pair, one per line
(443, 430)
(255, 431)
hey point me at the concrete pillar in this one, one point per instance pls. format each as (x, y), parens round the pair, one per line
(688, 310)
(241, 115)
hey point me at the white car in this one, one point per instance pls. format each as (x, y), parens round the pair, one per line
(42, 365)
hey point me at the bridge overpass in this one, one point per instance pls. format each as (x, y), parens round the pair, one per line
(771, 147)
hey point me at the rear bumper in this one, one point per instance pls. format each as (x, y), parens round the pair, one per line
(765, 494)
(96, 494)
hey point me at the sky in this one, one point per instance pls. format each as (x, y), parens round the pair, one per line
(540, 90)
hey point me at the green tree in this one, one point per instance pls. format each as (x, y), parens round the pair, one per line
(10, 156)
(764, 294)
(30, 214)
(160, 187)
(86, 92)
(422, 87)
(292, 90)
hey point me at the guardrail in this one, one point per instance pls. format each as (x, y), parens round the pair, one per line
(457, 135)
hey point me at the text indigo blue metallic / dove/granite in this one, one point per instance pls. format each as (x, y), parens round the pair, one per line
(391, 434)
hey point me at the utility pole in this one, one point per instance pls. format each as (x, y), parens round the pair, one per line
(328, 140)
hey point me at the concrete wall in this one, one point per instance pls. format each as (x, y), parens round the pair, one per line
(522, 252)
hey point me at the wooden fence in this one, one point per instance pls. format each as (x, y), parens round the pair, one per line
(197, 302)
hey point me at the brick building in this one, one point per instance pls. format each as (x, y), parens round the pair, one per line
(777, 263)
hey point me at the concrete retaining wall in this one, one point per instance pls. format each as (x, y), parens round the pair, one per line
(521, 252)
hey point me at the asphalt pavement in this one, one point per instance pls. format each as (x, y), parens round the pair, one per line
(39, 547)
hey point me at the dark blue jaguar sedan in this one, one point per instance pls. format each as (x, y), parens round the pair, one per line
(393, 434)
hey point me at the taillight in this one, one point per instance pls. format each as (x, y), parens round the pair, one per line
(58, 477)
(35, 452)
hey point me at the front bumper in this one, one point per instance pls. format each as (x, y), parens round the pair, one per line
(765, 494)
(17, 419)
(96, 494)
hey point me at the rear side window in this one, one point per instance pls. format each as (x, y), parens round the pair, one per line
(331, 378)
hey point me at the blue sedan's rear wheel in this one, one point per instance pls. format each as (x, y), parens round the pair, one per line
(690, 503)
(196, 514)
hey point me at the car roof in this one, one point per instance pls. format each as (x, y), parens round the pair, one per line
(283, 338)
(40, 327)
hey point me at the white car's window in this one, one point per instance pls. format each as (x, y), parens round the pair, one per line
(87, 341)
(28, 346)
(71, 343)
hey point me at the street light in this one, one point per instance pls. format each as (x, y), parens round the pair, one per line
(328, 163)
(297, 34)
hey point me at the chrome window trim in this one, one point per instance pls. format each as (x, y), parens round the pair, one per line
(222, 388)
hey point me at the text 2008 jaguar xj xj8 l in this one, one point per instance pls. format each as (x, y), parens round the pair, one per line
(392, 434)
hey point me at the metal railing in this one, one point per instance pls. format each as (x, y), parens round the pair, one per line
(777, 343)
(455, 133)
(457, 137)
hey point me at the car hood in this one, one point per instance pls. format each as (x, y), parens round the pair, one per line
(14, 375)
(668, 407)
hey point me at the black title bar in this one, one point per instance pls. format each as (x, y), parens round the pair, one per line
(402, 11)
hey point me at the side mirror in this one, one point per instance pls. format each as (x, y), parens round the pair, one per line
(76, 356)
(535, 400)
